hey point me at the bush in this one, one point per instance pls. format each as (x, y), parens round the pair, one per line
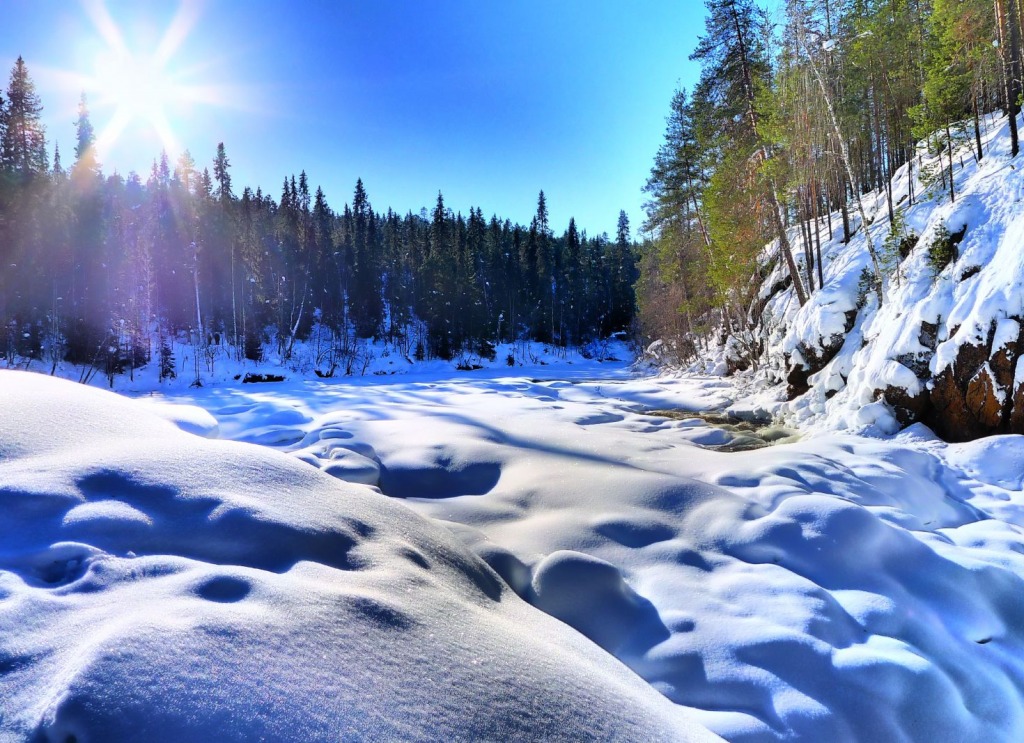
(942, 250)
(253, 347)
(485, 350)
(866, 285)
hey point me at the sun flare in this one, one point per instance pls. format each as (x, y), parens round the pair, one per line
(144, 89)
(140, 90)
(137, 87)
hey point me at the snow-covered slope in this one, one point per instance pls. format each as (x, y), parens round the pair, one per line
(944, 345)
(835, 589)
(159, 586)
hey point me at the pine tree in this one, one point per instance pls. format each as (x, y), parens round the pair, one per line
(186, 171)
(24, 138)
(4, 165)
(622, 267)
(367, 305)
(735, 70)
(547, 278)
(1008, 27)
(57, 172)
(222, 175)
(86, 166)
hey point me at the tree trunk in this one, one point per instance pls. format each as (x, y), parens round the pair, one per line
(949, 143)
(845, 154)
(977, 129)
(817, 235)
(1009, 52)
(773, 195)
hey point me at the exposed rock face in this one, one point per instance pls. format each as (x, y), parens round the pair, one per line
(907, 408)
(984, 403)
(1016, 421)
(939, 338)
(973, 397)
(798, 373)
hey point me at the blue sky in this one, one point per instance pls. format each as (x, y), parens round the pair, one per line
(487, 102)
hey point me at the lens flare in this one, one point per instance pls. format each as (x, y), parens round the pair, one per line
(133, 90)
(141, 91)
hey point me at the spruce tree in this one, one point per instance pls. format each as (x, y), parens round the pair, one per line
(86, 165)
(4, 165)
(222, 175)
(24, 138)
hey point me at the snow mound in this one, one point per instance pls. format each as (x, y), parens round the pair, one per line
(186, 417)
(834, 589)
(159, 586)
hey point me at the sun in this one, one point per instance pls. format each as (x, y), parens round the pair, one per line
(143, 89)
(146, 78)
(140, 90)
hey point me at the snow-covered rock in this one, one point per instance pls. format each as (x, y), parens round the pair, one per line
(944, 346)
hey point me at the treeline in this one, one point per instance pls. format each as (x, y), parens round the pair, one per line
(792, 121)
(104, 271)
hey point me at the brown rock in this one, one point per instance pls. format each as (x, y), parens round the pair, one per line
(1002, 365)
(797, 375)
(967, 400)
(929, 335)
(948, 415)
(906, 407)
(984, 403)
(1015, 423)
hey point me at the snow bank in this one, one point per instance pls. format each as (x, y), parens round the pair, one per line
(921, 355)
(222, 365)
(159, 586)
(834, 589)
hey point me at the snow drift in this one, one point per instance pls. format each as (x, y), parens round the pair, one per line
(838, 588)
(159, 586)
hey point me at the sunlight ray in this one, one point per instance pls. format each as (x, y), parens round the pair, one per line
(164, 131)
(110, 133)
(100, 16)
(178, 30)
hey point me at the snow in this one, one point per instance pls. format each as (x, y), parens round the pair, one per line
(158, 585)
(833, 588)
(980, 293)
(507, 554)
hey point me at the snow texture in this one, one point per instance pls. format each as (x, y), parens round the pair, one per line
(838, 588)
(160, 586)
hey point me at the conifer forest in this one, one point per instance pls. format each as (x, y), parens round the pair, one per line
(796, 115)
(104, 270)
(798, 112)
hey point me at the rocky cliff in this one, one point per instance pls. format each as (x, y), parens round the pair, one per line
(944, 345)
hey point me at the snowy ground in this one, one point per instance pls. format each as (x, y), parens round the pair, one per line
(836, 588)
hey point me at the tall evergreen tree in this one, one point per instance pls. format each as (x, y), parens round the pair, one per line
(222, 175)
(1009, 32)
(24, 137)
(735, 71)
(86, 165)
